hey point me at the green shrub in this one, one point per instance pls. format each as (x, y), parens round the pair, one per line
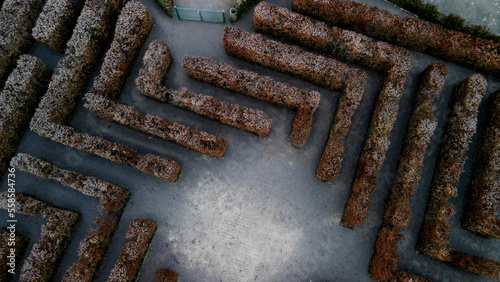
(243, 6)
(166, 6)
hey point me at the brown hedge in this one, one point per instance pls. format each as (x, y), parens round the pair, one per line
(433, 240)
(112, 201)
(139, 234)
(20, 245)
(111, 197)
(53, 26)
(191, 138)
(132, 29)
(249, 119)
(423, 122)
(166, 275)
(483, 197)
(133, 26)
(67, 86)
(16, 21)
(92, 250)
(43, 259)
(395, 62)
(420, 129)
(156, 63)
(418, 35)
(308, 66)
(22, 92)
(261, 87)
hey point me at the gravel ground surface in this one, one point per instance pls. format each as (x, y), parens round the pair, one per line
(259, 213)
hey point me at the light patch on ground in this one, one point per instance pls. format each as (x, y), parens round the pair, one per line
(239, 240)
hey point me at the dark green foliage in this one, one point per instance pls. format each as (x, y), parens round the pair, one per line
(453, 21)
(166, 6)
(431, 13)
(245, 6)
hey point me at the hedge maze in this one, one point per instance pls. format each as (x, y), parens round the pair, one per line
(344, 44)
(33, 96)
(261, 87)
(157, 62)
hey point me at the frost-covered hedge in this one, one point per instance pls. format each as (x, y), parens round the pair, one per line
(132, 29)
(483, 200)
(140, 233)
(261, 87)
(320, 70)
(112, 200)
(67, 86)
(418, 35)
(395, 62)
(16, 21)
(55, 22)
(156, 63)
(42, 262)
(191, 138)
(397, 214)
(22, 92)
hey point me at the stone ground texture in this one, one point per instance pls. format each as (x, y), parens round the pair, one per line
(259, 213)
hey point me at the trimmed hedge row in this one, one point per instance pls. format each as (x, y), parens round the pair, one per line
(140, 233)
(422, 124)
(483, 196)
(92, 250)
(191, 138)
(430, 12)
(314, 68)
(261, 87)
(16, 21)
(249, 119)
(42, 262)
(166, 275)
(132, 28)
(380, 56)
(74, 69)
(334, 41)
(22, 92)
(434, 240)
(21, 244)
(67, 86)
(156, 63)
(421, 36)
(421, 127)
(53, 26)
(112, 200)
(383, 265)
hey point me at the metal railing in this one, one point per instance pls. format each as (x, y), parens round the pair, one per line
(200, 15)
